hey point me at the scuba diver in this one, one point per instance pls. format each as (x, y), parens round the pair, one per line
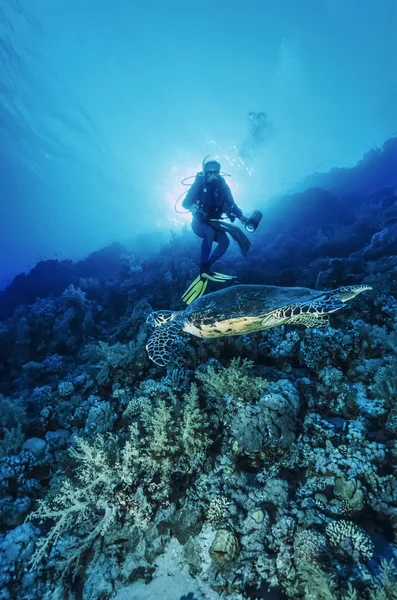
(208, 199)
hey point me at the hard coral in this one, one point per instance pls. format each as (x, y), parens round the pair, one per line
(350, 540)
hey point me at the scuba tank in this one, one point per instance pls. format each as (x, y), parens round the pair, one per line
(253, 221)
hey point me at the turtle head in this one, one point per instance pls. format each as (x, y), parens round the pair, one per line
(159, 317)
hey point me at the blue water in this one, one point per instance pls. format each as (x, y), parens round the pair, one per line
(136, 458)
(104, 109)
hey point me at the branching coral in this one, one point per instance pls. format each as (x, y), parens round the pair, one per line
(235, 381)
(257, 428)
(12, 418)
(322, 586)
(350, 540)
(194, 429)
(12, 441)
(123, 477)
(217, 511)
(177, 440)
(321, 348)
(385, 384)
(310, 548)
(385, 588)
(88, 502)
(112, 360)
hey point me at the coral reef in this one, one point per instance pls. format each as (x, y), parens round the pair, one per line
(258, 466)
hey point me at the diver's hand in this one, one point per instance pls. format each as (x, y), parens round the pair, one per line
(244, 219)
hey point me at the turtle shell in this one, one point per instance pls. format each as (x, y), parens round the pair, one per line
(245, 301)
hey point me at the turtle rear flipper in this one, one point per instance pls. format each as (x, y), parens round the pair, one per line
(161, 341)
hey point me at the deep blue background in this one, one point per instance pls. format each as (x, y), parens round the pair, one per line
(104, 107)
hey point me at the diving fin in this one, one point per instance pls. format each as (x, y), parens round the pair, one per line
(195, 290)
(198, 287)
(215, 276)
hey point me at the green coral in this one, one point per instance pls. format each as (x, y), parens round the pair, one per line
(177, 438)
(385, 384)
(319, 585)
(234, 381)
(124, 478)
(161, 449)
(12, 441)
(386, 587)
(87, 502)
(194, 428)
(109, 360)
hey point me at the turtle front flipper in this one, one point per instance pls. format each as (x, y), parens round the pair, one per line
(313, 320)
(316, 313)
(311, 314)
(347, 292)
(161, 341)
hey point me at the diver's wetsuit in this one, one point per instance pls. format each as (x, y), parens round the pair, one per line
(212, 200)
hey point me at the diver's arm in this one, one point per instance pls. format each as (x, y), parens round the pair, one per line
(233, 209)
(193, 194)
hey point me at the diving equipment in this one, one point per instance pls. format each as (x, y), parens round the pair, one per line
(211, 169)
(195, 290)
(253, 222)
(235, 232)
(198, 287)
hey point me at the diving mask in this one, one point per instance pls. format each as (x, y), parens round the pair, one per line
(211, 175)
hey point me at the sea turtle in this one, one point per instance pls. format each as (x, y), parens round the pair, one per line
(244, 309)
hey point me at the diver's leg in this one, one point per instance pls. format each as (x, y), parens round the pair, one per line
(198, 287)
(223, 242)
(207, 233)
